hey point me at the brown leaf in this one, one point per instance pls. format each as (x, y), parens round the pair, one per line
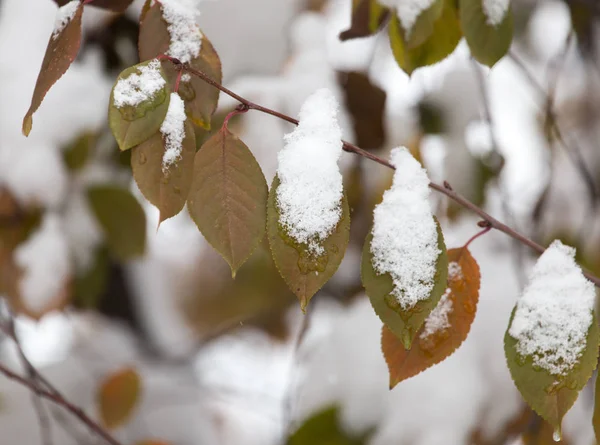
(367, 17)
(228, 197)
(200, 98)
(118, 396)
(430, 348)
(166, 189)
(365, 103)
(60, 53)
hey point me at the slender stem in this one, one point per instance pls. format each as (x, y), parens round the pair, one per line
(478, 234)
(347, 146)
(178, 81)
(240, 109)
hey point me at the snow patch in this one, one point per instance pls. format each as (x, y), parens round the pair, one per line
(64, 15)
(173, 131)
(186, 38)
(404, 232)
(310, 194)
(45, 260)
(137, 88)
(438, 318)
(454, 271)
(408, 11)
(554, 314)
(495, 10)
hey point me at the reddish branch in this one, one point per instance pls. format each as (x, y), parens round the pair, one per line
(443, 189)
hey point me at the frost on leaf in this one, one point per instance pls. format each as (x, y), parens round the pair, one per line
(173, 131)
(140, 86)
(64, 15)
(186, 38)
(552, 341)
(310, 192)
(495, 10)
(554, 314)
(404, 232)
(404, 265)
(446, 327)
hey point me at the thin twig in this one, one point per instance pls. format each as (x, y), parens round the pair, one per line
(347, 146)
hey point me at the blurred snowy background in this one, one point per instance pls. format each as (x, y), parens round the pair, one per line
(220, 360)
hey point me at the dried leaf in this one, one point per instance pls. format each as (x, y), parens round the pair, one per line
(487, 43)
(118, 396)
(303, 271)
(228, 197)
(60, 53)
(404, 324)
(433, 346)
(166, 189)
(132, 125)
(122, 219)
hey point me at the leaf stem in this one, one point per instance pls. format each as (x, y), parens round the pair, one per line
(240, 109)
(445, 189)
(488, 227)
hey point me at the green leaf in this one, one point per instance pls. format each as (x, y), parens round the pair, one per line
(403, 323)
(77, 153)
(228, 197)
(166, 189)
(596, 417)
(548, 395)
(122, 219)
(323, 428)
(440, 43)
(199, 97)
(431, 348)
(60, 53)
(303, 271)
(132, 125)
(118, 396)
(487, 43)
(367, 18)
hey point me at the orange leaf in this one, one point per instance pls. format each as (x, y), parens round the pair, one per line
(60, 53)
(117, 397)
(446, 327)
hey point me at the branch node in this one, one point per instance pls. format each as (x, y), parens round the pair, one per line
(447, 186)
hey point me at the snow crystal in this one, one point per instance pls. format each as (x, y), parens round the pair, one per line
(64, 15)
(186, 38)
(555, 312)
(404, 232)
(173, 131)
(454, 271)
(495, 10)
(136, 88)
(438, 318)
(309, 196)
(186, 77)
(45, 260)
(408, 11)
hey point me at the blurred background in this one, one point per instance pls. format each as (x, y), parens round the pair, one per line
(232, 362)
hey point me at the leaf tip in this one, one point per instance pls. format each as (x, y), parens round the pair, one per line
(27, 124)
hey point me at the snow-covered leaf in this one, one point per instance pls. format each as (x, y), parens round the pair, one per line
(62, 49)
(488, 42)
(166, 188)
(228, 197)
(552, 341)
(305, 270)
(139, 102)
(118, 396)
(367, 17)
(155, 38)
(404, 262)
(440, 43)
(415, 18)
(446, 327)
(122, 219)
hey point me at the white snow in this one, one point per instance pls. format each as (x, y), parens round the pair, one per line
(64, 15)
(404, 232)
(137, 88)
(408, 11)
(438, 318)
(186, 38)
(454, 271)
(186, 77)
(309, 196)
(173, 131)
(495, 10)
(45, 260)
(554, 314)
